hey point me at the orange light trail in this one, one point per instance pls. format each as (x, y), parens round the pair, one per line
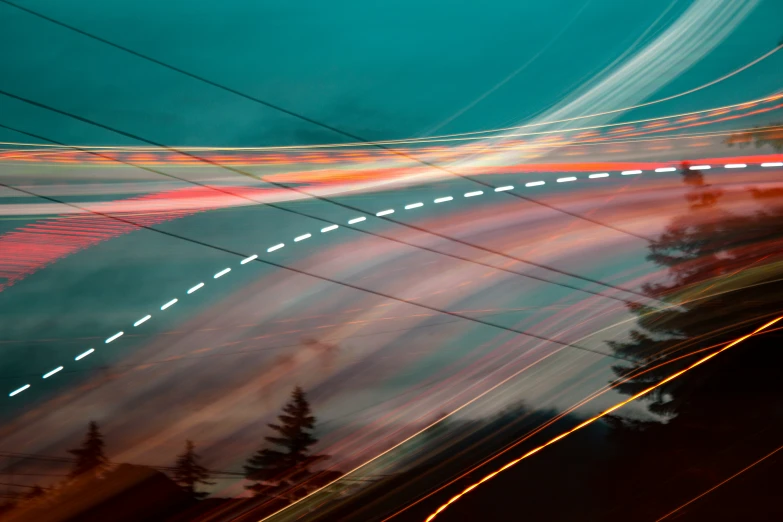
(497, 386)
(600, 415)
(563, 414)
(553, 135)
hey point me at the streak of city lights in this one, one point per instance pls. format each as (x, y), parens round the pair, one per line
(498, 385)
(299, 238)
(221, 273)
(565, 413)
(169, 304)
(714, 111)
(50, 373)
(142, 320)
(113, 337)
(596, 417)
(545, 137)
(80, 356)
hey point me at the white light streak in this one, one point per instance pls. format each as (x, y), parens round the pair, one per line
(566, 180)
(222, 273)
(195, 288)
(19, 390)
(505, 188)
(329, 228)
(276, 247)
(474, 193)
(147, 317)
(248, 259)
(535, 183)
(47, 375)
(170, 303)
(357, 220)
(302, 237)
(83, 355)
(443, 200)
(113, 337)
(413, 205)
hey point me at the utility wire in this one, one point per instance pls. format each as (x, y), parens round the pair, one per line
(316, 276)
(306, 119)
(327, 200)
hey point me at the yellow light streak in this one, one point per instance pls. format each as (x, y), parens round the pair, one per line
(600, 415)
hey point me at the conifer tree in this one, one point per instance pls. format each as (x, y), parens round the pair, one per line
(706, 253)
(188, 473)
(90, 457)
(289, 464)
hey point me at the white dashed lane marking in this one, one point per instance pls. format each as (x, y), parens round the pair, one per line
(386, 212)
(113, 337)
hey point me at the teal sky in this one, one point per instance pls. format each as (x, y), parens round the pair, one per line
(380, 70)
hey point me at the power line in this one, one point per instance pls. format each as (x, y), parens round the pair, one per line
(303, 118)
(320, 277)
(33, 456)
(356, 137)
(297, 212)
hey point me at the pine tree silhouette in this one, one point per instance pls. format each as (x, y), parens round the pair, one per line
(188, 473)
(770, 134)
(288, 466)
(90, 457)
(723, 275)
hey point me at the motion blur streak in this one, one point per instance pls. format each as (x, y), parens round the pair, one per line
(431, 139)
(71, 154)
(425, 428)
(697, 31)
(461, 407)
(602, 414)
(719, 484)
(560, 416)
(33, 247)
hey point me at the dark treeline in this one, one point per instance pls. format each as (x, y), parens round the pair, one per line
(725, 276)
(454, 447)
(771, 135)
(95, 489)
